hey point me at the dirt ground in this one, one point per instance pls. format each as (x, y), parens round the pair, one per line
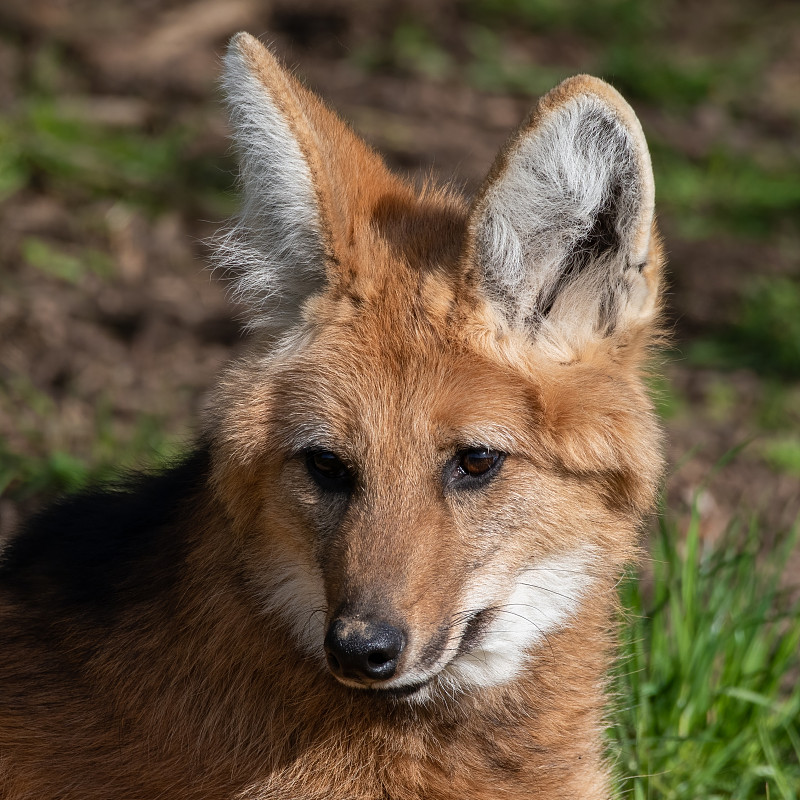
(93, 358)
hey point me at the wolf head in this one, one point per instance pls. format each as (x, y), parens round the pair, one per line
(436, 455)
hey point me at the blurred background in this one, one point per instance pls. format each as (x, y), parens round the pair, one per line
(115, 166)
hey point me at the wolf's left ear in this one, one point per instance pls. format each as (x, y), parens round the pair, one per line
(561, 229)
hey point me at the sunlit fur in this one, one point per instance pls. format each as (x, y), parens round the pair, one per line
(275, 245)
(165, 638)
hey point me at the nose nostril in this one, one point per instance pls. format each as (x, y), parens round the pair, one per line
(379, 658)
(333, 663)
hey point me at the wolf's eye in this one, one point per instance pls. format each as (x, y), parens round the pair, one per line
(478, 462)
(475, 465)
(329, 472)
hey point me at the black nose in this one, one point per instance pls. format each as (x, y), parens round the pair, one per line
(359, 649)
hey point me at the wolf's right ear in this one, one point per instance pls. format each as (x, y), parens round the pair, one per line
(276, 248)
(300, 171)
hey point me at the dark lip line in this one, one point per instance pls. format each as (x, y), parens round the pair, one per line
(404, 691)
(474, 630)
(399, 691)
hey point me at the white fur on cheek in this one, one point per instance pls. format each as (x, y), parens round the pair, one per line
(296, 594)
(543, 599)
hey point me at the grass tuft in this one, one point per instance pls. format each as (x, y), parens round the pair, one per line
(707, 683)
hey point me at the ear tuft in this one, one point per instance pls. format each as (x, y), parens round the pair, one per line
(561, 230)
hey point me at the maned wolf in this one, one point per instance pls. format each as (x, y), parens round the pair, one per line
(388, 569)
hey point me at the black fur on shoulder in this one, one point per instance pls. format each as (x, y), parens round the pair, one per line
(104, 547)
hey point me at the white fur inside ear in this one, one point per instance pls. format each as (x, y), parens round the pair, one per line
(541, 600)
(274, 249)
(568, 217)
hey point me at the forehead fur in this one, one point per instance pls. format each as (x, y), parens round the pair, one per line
(403, 250)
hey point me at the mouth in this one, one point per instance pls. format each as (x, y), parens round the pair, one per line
(430, 665)
(409, 692)
(403, 691)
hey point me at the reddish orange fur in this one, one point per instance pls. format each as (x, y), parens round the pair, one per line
(201, 695)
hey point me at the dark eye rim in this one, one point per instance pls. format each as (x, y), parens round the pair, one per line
(338, 479)
(459, 477)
